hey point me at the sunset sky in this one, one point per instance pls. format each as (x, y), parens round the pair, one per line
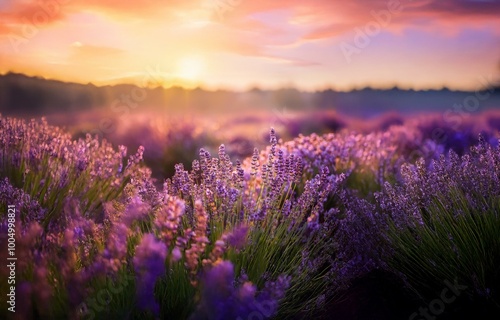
(239, 44)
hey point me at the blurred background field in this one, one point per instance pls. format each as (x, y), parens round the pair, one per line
(173, 124)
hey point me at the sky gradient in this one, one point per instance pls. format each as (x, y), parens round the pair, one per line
(238, 44)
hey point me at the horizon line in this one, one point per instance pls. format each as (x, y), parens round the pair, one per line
(256, 87)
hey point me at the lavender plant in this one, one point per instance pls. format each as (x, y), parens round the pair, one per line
(59, 187)
(50, 167)
(445, 222)
(282, 223)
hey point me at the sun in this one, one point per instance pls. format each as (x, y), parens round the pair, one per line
(190, 68)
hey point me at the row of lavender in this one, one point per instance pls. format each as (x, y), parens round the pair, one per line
(277, 235)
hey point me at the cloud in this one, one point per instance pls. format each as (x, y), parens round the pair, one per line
(322, 19)
(446, 16)
(16, 16)
(83, 53)
(289, 61)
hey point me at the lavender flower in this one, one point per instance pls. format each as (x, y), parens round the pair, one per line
(222, 300)
(149, 264)
(237, 238)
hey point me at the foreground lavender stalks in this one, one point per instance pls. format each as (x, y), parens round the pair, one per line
(283, 214)
(59, 187)
(276, 235)
(445, 220)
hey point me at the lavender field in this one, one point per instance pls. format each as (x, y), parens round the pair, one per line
(391, 219)
(250, 160)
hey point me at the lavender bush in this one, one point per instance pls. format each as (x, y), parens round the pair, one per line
(445, 222)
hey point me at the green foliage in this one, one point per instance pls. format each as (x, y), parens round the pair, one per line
(176, 293)
(455, 241)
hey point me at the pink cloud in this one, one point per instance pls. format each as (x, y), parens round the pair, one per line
(450, 14)
(16, 17)
(322, 19)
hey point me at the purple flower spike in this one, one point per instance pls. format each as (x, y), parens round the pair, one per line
(149, 263)
(238, 237)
